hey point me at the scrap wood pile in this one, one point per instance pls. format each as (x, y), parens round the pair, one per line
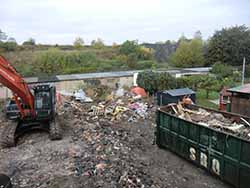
(235, 125)
(115, 109)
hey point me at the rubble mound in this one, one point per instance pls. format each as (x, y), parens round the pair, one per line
(107, 144)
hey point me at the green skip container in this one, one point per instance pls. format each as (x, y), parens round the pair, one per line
(222, 154)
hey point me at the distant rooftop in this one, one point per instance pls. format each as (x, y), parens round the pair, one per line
(179, 92)
(108, 75)
(199, 69)
(241, 89)
(80, 76)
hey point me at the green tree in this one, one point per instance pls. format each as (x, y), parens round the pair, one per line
(145, 53)
(229, 45)
(132, 59)
(30, 42)
(3, 35)
(10, 44)
(129, 47)
(228, 82)
(247, 70)
(190, 81)
(153, 81)
(78, 43)
(222, 70)
(209, 83)
(134, 53)
(182, 38)
(188, 54)
(97, 43)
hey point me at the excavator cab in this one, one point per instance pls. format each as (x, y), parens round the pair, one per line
(45, 101)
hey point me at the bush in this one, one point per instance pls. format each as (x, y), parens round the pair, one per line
(55, 61)
(78, 43)
(153, 82)
(222, 70)
(247, 71)
(25, 69)
(128, 47)
(191, 82)
(98, 43)
(131, 52)
(8, 46)
(30, 41)
(146, 64)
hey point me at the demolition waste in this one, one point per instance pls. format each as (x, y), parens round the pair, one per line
(238, 127)
(107, 142)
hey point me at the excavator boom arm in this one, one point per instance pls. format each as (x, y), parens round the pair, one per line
(10, 78)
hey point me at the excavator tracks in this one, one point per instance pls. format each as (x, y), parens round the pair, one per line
(8, 134)
(7, 138)
(55, 131)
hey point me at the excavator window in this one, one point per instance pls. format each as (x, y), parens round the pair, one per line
(42, 100)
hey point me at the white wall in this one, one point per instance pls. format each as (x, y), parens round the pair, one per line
(72, 85)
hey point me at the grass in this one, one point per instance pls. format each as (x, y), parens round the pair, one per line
(203, 101)
(53, 61)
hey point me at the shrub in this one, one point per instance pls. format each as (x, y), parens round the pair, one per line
(153, 81)
(55, 61)
(247, 72)
(78, 43)
(222, 70)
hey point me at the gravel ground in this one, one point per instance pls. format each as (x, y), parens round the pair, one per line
(100, 153)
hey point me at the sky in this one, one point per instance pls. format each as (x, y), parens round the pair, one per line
(61, 21)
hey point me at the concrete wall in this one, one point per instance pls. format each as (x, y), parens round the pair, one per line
(123, 78)
(72, 85)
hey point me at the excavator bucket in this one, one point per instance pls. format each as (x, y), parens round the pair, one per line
(5, 181)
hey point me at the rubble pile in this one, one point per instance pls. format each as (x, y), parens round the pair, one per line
(109, 147)
(96, 147)
(106, 144)
(127, 108)
(233, 125)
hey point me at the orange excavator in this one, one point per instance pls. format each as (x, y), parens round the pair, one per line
(34, 108)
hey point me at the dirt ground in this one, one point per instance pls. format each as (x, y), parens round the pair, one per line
(100, 153)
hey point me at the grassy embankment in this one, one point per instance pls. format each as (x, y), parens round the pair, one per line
(54, 61)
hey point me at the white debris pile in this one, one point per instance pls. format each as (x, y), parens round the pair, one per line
(78, 95)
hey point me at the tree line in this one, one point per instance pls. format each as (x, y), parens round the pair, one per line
(226, 46)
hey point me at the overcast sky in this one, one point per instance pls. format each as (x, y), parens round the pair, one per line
(61, 21)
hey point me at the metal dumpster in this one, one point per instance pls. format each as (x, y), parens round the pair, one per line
(223, 154)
